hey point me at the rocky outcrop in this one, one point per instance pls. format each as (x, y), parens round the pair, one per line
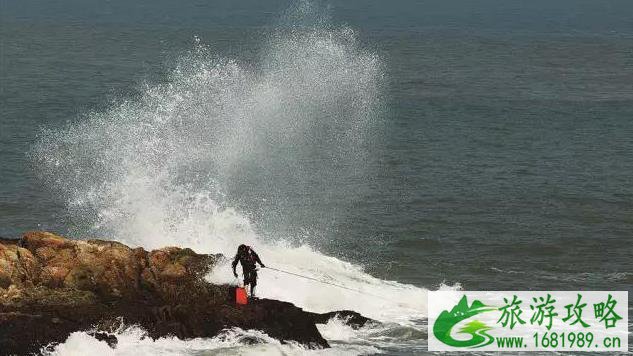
(51, 286)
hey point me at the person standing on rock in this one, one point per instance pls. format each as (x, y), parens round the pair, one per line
(247, 257)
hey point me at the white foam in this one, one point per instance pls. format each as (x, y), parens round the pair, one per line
(79, 344)
(387, 301)
(152, 171)
(162, 169)
(133, 341)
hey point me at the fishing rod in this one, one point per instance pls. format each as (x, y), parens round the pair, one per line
(330, 283)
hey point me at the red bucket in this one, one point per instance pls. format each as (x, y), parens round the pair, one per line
(240, 296)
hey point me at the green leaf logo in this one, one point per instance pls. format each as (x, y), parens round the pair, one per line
(445, 322)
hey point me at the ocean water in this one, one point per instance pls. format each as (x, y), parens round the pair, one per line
(393, 148)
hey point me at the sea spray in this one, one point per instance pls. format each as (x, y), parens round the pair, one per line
(132, 340)
(226, 152)
(261, 137)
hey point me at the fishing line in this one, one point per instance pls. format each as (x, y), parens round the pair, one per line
(332, 284)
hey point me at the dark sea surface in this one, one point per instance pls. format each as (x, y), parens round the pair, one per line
(503, 160)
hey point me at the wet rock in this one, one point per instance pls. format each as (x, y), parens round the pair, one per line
(350, 317)
(51, 286)
(110, 339)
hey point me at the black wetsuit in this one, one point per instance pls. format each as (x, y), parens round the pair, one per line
(248, 258)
